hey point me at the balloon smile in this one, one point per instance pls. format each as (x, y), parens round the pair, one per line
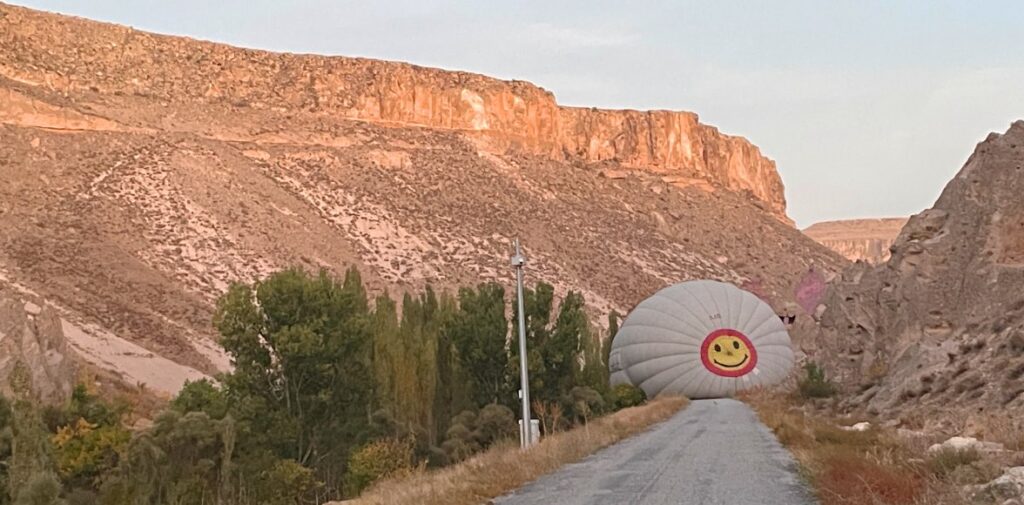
(722, 347)
(737, 365)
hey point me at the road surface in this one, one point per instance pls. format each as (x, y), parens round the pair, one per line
(713, 452)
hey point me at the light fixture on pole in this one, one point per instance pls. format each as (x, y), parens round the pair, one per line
(518, 262)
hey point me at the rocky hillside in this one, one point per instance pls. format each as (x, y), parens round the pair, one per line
(858, 239)
(141, 174)
(69, 55)
(939, 328)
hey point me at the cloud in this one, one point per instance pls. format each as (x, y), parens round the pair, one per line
(567, 36)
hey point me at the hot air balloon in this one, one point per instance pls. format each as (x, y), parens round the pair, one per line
(700, 339)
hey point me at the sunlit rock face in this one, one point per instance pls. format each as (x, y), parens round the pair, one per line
(70, 55)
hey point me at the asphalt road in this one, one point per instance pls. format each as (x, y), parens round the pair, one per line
(713, 452)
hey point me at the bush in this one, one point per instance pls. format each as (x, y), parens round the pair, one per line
(380, 458)
(287, 483)
(495, 422)
(625, 395)
(944, 461)
(41, 489)
(815, 384)
(582, 403)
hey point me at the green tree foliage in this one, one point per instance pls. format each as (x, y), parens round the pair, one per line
(479, 332)
(201, 396)
(180, 460)
(300, 345)
(556, 350)
(594, 371)
(613, 329)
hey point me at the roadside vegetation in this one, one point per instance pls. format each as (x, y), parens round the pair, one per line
(330, 392)
(850, 464)
(506, 467)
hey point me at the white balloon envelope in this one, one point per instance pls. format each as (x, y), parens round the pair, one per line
(700, 339)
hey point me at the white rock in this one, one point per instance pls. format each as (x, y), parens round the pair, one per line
(32, 309)
(864, 426)
(966, 443)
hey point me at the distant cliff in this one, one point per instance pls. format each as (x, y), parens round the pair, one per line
(70, 54)
(858, 239)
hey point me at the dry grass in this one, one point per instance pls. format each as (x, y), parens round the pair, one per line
(873, 467)
(504, 468)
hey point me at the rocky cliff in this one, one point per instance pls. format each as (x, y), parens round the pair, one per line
(33, 351)
(858, 239)
(72, 55)
(940, 326)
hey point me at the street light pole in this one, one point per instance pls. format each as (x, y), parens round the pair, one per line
(518, 261)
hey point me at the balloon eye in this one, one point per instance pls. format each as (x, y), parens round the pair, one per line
(735, 344)
(718, 348)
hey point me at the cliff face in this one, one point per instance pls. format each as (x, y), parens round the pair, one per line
(940, 326)
(68, 54)
(858, 239)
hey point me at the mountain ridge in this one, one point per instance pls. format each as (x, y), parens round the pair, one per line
(65, 53)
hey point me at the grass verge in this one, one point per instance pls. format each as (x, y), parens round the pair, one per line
(872, 467)
(504, 467)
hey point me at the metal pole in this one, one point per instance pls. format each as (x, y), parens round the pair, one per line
(518, 261)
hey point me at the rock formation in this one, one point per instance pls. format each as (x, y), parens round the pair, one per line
(70, 55)
(940, 325)
(140, 175)
(858, 239)
(32, 345)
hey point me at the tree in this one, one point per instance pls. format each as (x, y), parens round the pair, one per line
(479, 332)
(613, 329)
(300, 345)
(201, 396)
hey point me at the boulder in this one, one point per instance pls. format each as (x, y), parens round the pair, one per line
(966, 444)
(1005, 488)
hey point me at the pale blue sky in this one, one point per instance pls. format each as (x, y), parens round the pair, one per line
(869, 107)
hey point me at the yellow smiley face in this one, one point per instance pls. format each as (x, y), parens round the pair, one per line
(728, 353)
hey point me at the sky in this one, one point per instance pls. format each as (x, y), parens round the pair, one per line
(868, 107)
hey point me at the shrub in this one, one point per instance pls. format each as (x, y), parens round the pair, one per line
(815, 384)
(625, 395)
(944, 461)
(582, 403)
(380, 458)
(857, 479)
(287, 483)
(41, 489)
(495, 422)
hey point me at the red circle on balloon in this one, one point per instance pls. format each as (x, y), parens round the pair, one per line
(728, 353)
